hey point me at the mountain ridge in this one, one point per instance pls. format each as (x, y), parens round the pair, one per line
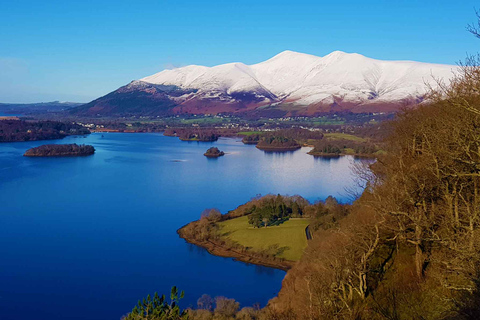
(290, 83)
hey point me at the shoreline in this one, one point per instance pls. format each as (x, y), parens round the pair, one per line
(334, 155)
(278, 149)
(218, 250)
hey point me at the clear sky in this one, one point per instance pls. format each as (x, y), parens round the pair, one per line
(79, 50)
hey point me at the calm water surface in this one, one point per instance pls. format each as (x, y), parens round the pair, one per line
(86, 237)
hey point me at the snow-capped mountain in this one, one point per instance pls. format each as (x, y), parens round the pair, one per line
(290, 83)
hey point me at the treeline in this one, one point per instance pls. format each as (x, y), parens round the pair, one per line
(251, 139)
(56, 150)
(196, 134)
(208, 308)
(277, 143)
(298, 135)
(343, 146)
(19, 130)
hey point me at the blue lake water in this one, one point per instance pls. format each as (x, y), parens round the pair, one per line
(86, 237)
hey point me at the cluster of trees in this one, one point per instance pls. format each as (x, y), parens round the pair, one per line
(205, 228)
(300, 134)
(274, 142)
(292, 134)
(343, 146)
(251, 139)
(157, 308)
(219, 308)
(274, 210)
(196, 134)
(58, 150)
(208, 308)
(19, 130)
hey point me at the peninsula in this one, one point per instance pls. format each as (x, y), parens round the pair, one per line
(12, 130)
(269, 230)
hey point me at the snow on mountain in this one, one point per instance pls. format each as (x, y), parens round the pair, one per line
(304, 79)
(227, 78)
(290, 83)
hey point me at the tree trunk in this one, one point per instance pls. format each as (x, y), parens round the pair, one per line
(419, 258)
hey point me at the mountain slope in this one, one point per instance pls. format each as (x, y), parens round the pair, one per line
(290, 83)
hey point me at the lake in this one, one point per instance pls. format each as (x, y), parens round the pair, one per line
(86, 237)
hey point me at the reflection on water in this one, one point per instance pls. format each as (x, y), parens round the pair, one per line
(260, 270)
(327, 158)
(278, 154)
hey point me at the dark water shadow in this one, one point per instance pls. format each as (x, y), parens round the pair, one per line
(327, 159)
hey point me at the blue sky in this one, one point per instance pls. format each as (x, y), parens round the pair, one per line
(80, 50)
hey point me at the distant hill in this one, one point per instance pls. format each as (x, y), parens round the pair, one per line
(41, 107)
(290, 84)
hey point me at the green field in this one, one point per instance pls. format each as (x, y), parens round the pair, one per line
(249, 133)
(344, 136)
(203, 121)
(287, 240)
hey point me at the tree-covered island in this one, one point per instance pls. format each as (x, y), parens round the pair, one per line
(60, 150)
(213, 152)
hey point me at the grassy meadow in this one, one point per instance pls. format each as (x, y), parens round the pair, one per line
(287, 238)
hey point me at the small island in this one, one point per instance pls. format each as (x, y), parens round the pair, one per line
(278, 144)
(213, 152)
(60, 150)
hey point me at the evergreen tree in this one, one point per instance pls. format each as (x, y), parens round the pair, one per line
(158, 309)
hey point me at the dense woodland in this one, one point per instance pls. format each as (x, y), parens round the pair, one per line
(60, 150)
(19, 130)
